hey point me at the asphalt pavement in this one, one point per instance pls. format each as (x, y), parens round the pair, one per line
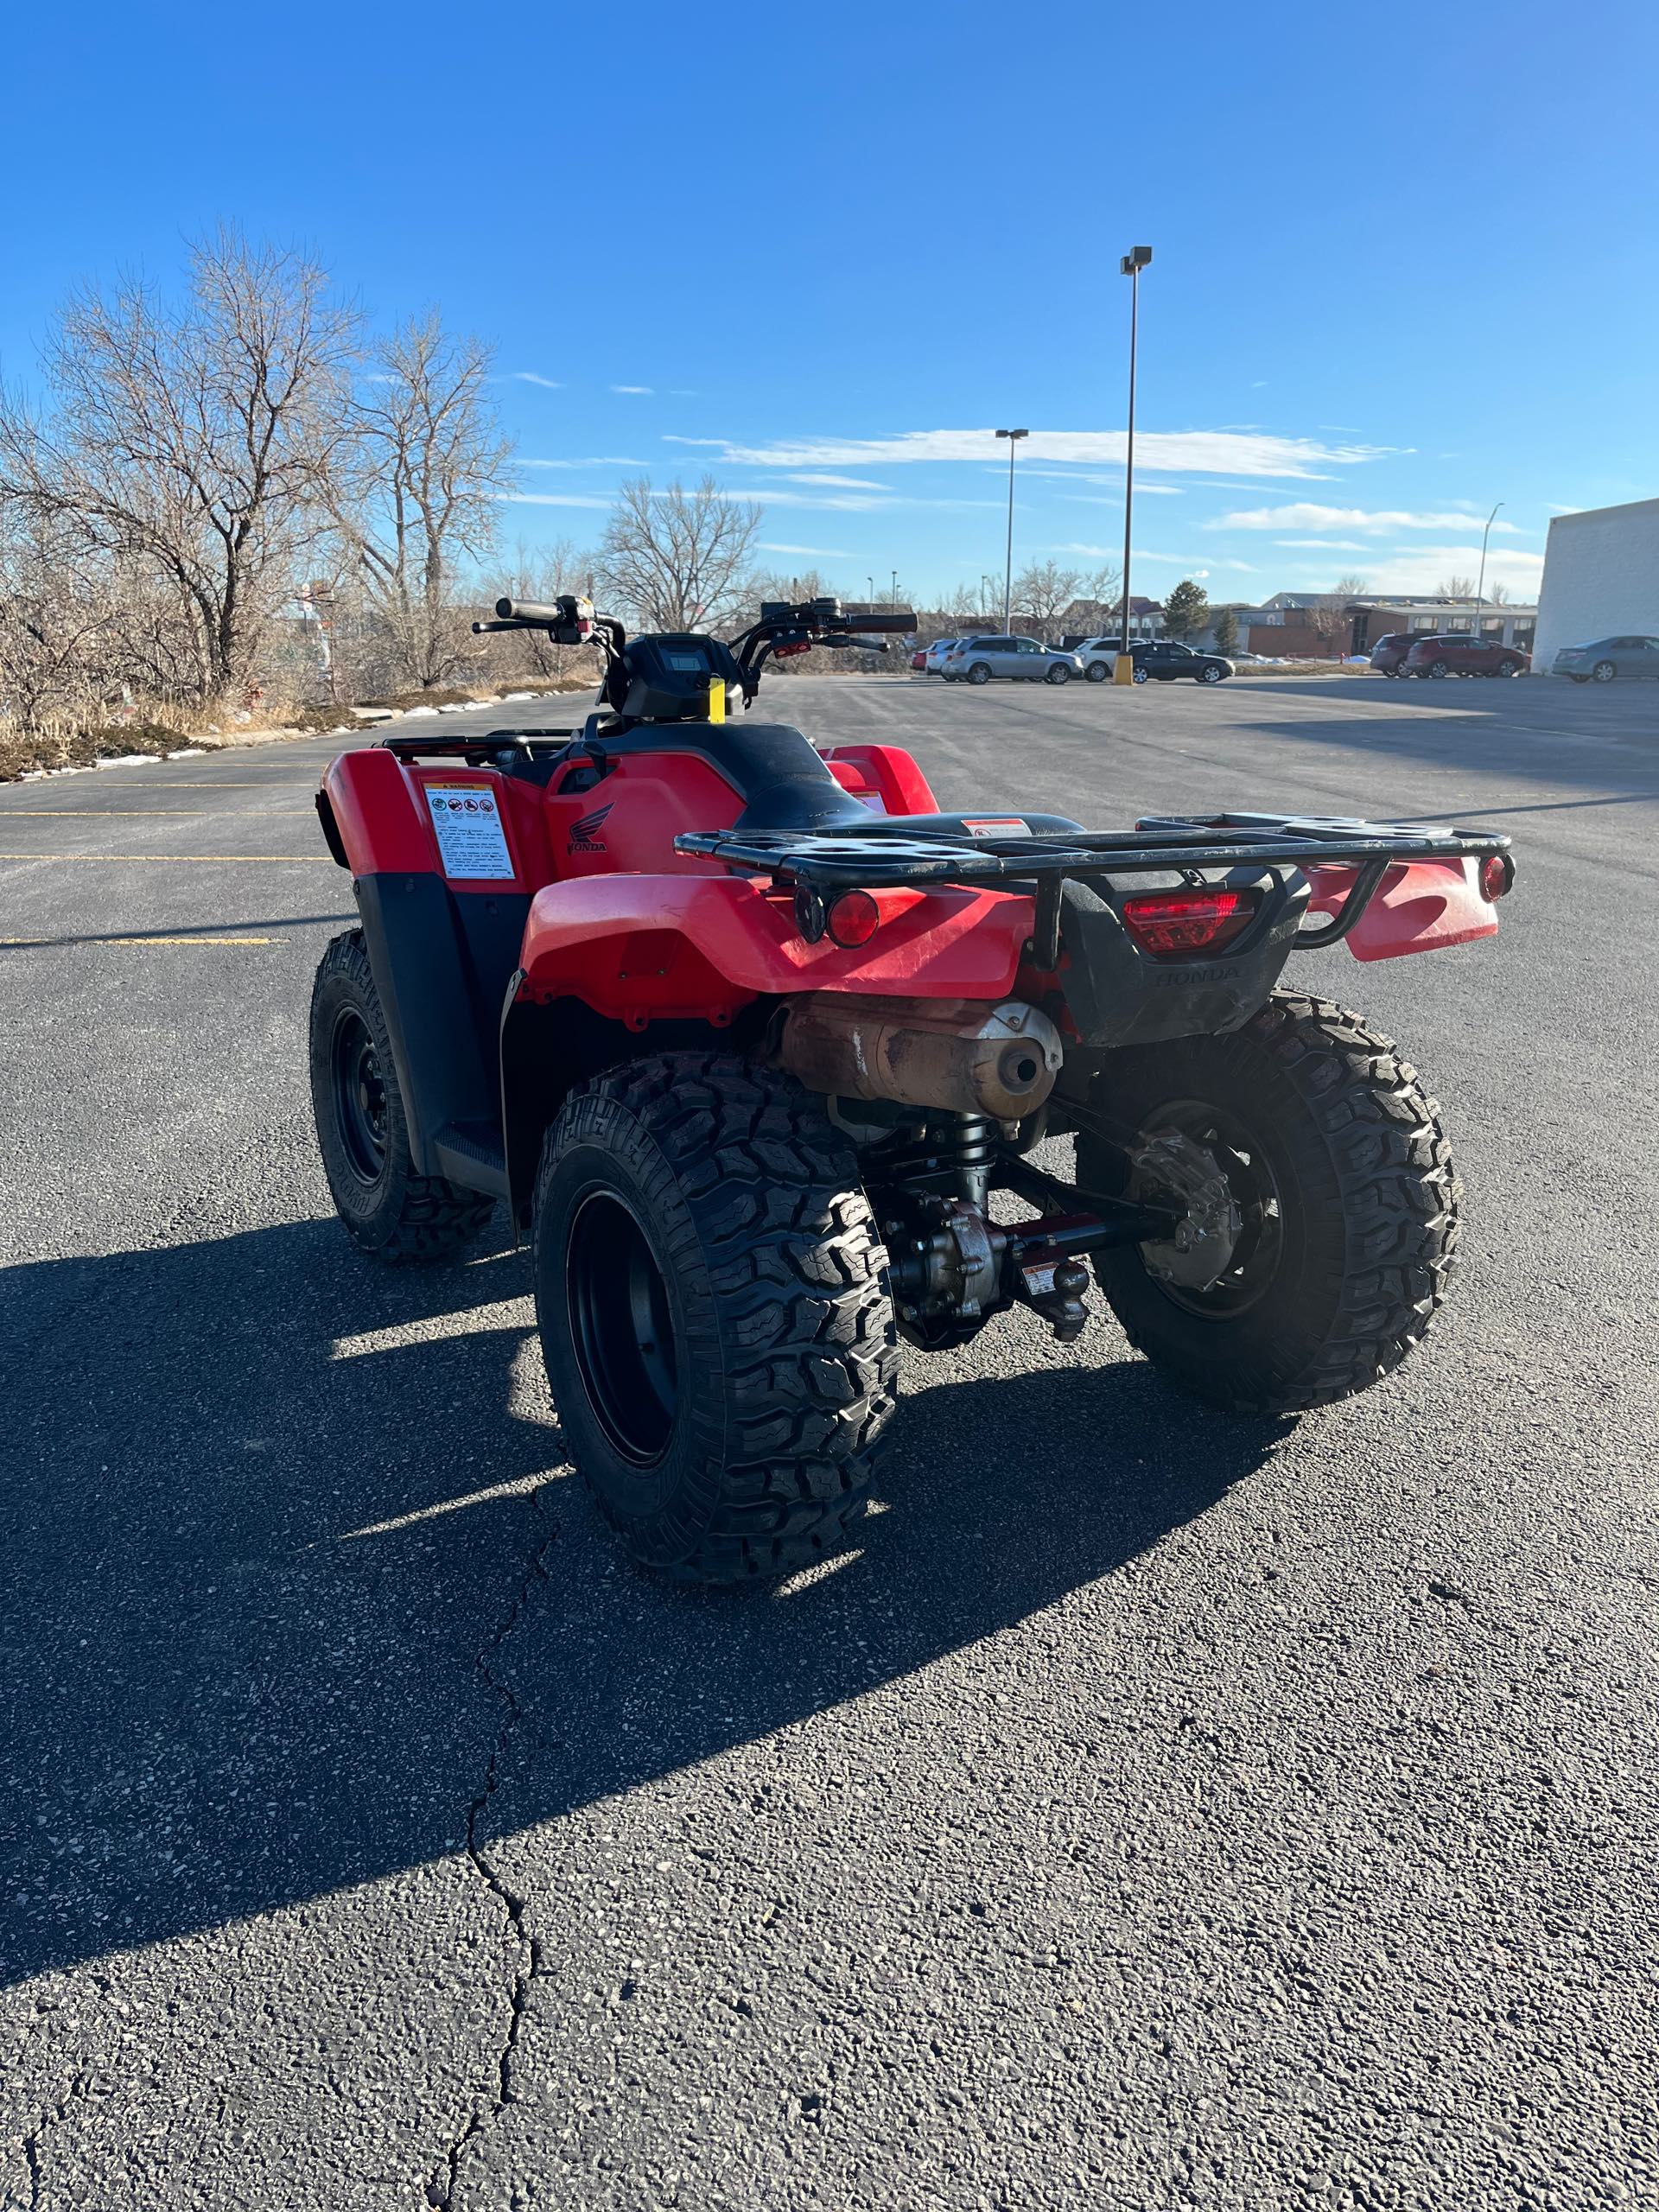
(1158, 1810)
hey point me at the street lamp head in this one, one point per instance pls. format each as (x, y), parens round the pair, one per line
(1014, 434)
(1137, 257)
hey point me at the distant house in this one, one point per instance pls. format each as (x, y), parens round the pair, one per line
(1280, 628)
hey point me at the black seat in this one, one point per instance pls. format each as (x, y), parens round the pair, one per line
(786, 784)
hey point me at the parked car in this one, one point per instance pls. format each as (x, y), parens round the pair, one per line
(1607, 658)
(976, 660)
(934, 659)
(1156, 660)
(1464, 657)
(1388, 652)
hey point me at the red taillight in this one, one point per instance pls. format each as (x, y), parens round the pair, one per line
(1496, 875)
(1187, 921)
(853, 919)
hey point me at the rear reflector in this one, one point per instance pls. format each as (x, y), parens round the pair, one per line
(1496, 875)
(1173, 922)
(853, 919)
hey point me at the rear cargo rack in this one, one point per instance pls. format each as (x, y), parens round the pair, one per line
(822, 863)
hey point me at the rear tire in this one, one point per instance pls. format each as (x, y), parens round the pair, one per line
(979, 673)
(711, 1293)
(362, 1130)
(1439, 668)
(1348, 1200)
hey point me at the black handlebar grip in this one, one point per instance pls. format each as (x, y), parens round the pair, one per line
(894, 618)
(478, 628)
(529, 610)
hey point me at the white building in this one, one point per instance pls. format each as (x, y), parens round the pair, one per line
(1601, 575)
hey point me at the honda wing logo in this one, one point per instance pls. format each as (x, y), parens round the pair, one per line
(584, 837)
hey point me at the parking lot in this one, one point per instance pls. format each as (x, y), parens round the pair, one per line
(1160, 1809)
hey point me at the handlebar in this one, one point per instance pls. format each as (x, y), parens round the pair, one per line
(893, 618)
(513, 611)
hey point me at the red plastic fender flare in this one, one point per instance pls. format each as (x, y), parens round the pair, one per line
(638, 947)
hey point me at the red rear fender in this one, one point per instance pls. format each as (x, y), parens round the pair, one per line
(1418, 907)
(638, 948)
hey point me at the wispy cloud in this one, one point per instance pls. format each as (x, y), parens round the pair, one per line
(818, 552)
(1303, 515)
(1186, 560)
(633, 391)
(852, 483)
(555, 499)
(531, 376)
(854, 503)
(1326, 544)
(588, 460)
(1172, 451)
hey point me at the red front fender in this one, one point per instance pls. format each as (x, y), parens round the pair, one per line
(639, 948)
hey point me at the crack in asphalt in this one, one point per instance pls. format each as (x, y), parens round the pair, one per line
(441, 2190)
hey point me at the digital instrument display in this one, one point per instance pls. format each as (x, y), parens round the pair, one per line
(686, 664)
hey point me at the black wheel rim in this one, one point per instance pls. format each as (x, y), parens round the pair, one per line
(622, 1327)
(1237, 1151)
(360, 1096)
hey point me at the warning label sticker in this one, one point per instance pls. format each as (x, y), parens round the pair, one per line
(1003, 825)
(468, 825)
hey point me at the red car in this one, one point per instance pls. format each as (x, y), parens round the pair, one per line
(1464, 657)
(918, 659)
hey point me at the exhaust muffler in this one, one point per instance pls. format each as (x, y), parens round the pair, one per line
(956, 1055)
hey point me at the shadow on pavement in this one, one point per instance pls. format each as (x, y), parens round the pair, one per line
(1565, 733)
(251, 1580)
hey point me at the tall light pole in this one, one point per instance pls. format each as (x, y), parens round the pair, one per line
(1137, 259)
(894, 601)
(1480, 588)
(1014, 438)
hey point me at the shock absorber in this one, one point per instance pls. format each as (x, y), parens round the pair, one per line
(948, 1155)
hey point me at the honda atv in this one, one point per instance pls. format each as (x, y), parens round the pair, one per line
(758, 1048)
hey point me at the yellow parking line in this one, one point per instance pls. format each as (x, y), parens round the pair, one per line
(38, 941)
(190, 860)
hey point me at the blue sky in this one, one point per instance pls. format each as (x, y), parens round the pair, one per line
(1401, 272)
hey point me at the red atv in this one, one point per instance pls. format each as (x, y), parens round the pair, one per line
(759, 1047)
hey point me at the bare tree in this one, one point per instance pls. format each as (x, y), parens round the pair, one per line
(1042, 591)
(679, 560)
(1455, 587)
(1329, 618)
(427, 465)
(1098, 607)
(55, 621)
(192, 444)
(1498, 593)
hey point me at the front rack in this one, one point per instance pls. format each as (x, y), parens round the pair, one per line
(820, 864)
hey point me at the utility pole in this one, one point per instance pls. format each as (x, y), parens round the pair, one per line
(1480, 588)
(1014, 438)
(1137, 259)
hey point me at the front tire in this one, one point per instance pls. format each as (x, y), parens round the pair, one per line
(362, 1130)
(1603, 672)
(1058, 674)
(1347, 1207)
(1212, 674)
(1096, 672)
(710, 1290)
